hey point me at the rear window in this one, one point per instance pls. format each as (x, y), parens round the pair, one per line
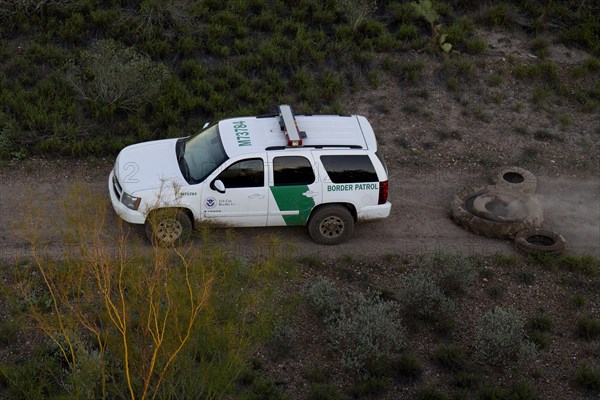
(349, 169)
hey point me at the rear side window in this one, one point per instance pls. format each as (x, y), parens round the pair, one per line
(292, 170)
(349, 169)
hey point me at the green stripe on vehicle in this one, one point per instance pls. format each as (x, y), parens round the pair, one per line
(290, 198)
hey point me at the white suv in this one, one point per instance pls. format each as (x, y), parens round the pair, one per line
(322, 171)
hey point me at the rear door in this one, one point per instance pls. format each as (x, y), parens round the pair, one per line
(295, 188)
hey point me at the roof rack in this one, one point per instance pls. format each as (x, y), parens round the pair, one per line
(289, 126)
(318, 146)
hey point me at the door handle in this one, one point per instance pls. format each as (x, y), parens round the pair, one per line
(256, 196)
(310, 193)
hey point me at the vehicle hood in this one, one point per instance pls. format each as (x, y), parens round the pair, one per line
(148, 165)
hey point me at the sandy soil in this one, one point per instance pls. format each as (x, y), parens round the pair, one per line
(419, 222)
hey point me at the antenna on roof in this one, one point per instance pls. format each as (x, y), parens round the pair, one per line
(289, 126)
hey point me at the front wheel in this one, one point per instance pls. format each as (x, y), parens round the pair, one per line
(331, 225)
(168, 227)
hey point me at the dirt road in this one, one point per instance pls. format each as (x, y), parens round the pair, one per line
(418, 224)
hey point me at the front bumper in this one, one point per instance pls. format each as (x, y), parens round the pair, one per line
(129, 215)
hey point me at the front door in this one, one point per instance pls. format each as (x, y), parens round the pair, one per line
(238, 195)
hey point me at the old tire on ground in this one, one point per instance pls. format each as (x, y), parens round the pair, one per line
(505, 207)
(331, 224)
(514, 178)
(168, 227)
(463, 213)
(539, 242)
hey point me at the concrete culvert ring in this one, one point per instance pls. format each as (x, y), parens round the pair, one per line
(514, 178)
(487, 223)
(539, 242)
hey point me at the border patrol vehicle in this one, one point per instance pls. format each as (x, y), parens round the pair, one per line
(321, 171)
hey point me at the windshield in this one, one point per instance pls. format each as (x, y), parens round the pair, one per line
(203, 153)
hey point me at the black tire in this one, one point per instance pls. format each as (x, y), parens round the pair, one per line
(463, 213)
(331, 225)
(540, 242)
(514, 178)
(168, 227)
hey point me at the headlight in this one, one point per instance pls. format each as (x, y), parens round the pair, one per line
(130, 201)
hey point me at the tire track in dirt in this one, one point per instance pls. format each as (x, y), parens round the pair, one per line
(418, 224)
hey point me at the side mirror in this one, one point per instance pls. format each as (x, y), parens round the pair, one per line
(219, 186)
(206, 125)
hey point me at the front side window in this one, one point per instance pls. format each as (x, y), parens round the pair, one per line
(243, 174)
(349, 168)
(292, 170)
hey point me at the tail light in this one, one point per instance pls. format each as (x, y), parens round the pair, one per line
(383, 192)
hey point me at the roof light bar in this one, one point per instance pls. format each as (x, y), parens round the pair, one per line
(290, 127)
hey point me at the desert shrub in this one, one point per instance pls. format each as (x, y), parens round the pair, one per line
(366, 330)
(539, 327)
(324, 391)
(543, 323)
(403, 13)
(412, 71)
(588, 328)
(406, 367)
(112, 76)
(407, 32)
(369, 387)
(584, 31)
(281, 339)
(586, 264)
(323, 297)
(539, 46)
(430, 393)
(420, 297)
(460, 30)
(587, 378)
(544, 71)
(476, 45)
(499, 14)
(450, 357)
(356, 11)
(454, 274)
(500, 338)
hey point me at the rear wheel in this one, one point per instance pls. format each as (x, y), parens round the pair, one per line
(168, 227)
(331, 225)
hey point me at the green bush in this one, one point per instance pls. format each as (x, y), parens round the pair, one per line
(500, 338)
(450, 357)
(454, 274)
(323, 297)
(460, 30)
(476, 45)
(421, 297)
(588, 327)
(367, 330)
(430, 393)
(587, 378)
(411, 71)
(111, 76)
(407, 32)
(406, 367)
(499, 15)
(281, 339)
(324, 391)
